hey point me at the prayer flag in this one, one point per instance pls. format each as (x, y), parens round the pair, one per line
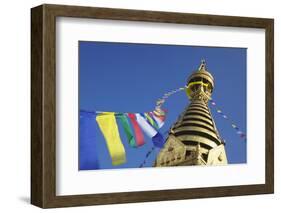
(88, 154)
(160, 101)
(146, 127)
(109, 128)
(159, 121)
(161, 116)
(137, 129)
(128, 130)
(151, 120)
(159, 112)
(157, 138)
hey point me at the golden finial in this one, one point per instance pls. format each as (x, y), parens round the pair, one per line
(202, 66)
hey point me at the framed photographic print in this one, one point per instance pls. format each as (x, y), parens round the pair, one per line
(136, 106)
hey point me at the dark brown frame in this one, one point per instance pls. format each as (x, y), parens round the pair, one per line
(43, 105)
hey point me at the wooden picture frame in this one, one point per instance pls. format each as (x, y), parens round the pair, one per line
(43, 105)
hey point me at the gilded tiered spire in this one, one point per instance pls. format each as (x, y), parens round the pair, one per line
(194, 139)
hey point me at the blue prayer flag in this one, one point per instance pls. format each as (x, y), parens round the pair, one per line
(88, 156)
(158, 140)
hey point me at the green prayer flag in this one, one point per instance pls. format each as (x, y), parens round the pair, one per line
(127, 129)
(151, 121)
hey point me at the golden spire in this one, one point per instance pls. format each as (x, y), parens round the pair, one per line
(193, 139)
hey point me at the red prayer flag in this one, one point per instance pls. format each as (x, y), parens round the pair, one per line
(137, 129)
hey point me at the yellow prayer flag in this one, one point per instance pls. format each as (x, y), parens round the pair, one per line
(150, 120)
(109, 129)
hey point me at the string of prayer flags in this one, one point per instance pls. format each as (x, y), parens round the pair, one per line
(133, 125)
(109, 129)
(233, 125)
(88, 153)
(166, 95)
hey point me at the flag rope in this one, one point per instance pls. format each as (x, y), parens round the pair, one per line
(233, 125)
(147, 156)
(166, 95)
(149, 152)
(158, 105)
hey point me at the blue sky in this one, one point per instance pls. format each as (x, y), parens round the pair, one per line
(123, 77)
